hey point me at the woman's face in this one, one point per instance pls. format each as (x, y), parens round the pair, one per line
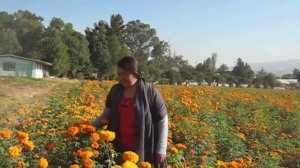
(126, 79)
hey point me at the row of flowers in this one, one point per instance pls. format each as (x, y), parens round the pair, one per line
(208, 127)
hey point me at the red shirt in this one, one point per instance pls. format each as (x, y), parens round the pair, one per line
(127, 126)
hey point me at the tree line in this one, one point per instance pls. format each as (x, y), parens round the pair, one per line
(96, 52)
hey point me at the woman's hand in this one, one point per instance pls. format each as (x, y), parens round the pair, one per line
(160, 158)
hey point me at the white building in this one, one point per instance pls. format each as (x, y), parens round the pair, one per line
(287, 81)
(12, 65)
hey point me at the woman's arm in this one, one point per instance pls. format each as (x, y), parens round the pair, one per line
(162, 126)
(104, 116)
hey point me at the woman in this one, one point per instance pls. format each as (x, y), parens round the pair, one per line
(141, 125)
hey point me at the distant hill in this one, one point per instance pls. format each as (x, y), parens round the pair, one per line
(277, 67)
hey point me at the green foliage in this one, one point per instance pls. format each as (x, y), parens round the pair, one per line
(243, 72)
(9, 43)
(139, 38)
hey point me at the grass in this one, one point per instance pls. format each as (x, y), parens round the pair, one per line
(18, 91)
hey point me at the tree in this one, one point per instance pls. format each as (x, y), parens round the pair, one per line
(243, 72)
(173, 76)
(99, 48)
(6, 20)
(9, 43)
(259, 78)
(56, 51)
(78, 52)
(152, 72)
(117, 27)
(187, 72)
(29, 30)
(140, 37)
(298, 77)
(213, 62)
(159, 52)
(270, 80)
(223, 68)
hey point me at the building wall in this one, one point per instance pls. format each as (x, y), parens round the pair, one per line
(10, 66)
(37, 71)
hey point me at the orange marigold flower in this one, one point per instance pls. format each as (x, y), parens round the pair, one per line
(73, 131)
(87, 154)
(242, 136)
(6, 133)
(36, 156)
(74, 166)
(20, 164)
(22, 136)
(130, 156)
(96, 153)
(43, 163)
(180, 146)
(50, 146)
(95, 145)
(145, 165)
(273, 154)
(192, 152)
(14, 151)
(202, 157)
(233, 164)
(79, 152)
(204, 135)
(29, 145)
(205, 153)
(91, 128)
(174, 150)
(88, 163)
(95, 136)
(107, 136)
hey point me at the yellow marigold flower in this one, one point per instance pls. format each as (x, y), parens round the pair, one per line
(14, 151)
(73, 131)
(145, 165)
(221, 164)
(22, 136)
(116, 166)
(95, 136)
(74, 166)
(107, 136)
(28, 145)
(130, 156)
(87, 154)
(95, 145)
(6, 133)
(88, 163)
(129, 164)
(43, 163)
(174, 150)
(180, 146)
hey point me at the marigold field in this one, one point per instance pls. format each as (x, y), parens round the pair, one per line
(208, 127)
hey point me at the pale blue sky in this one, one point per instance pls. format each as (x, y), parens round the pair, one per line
(255, 30)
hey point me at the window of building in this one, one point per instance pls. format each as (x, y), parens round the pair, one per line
(9, 66)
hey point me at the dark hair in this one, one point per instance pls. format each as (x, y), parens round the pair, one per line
(130, 64)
